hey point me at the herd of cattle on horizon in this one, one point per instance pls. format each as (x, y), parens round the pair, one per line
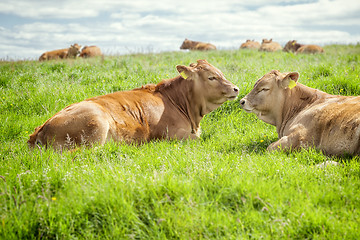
(76, 50)
(266, 46)
(172, 109)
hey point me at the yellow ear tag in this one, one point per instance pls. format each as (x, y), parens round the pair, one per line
(292, 84)
(183, 75)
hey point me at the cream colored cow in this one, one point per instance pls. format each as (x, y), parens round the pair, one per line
(305, 117)
(194, 45)
(269, 46)
(250, 44)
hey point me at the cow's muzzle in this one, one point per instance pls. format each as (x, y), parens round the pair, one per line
(234, 93)
(244, 105)
(242, 102)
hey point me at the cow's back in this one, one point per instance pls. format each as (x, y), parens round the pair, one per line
(270, 47)
(194, 45)
(90, 51)
(250, 45)
(55, 54)
(204, 46)
(138, 104)
(310, 49)
(332, 125)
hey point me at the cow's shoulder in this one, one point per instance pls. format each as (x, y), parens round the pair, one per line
(147, 88)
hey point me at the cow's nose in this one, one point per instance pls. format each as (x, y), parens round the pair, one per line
(242, 102)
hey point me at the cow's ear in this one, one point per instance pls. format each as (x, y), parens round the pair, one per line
(184, 71)
(290, 80)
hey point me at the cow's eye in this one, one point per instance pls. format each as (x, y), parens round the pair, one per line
(263, 90)
(212, 78)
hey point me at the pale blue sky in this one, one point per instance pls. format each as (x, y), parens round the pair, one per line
(28, 28)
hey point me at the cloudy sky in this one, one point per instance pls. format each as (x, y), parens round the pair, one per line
(30, 27)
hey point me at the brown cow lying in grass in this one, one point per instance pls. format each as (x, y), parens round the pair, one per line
(269, 46)
(55, 54)
(70, 52)
(193, 45)
(172, 109)
(250, 44)
(293, 46)
(305, 117)
(91, 51)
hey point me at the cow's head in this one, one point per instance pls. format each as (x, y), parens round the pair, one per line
(186, 44)
(210, 87)
(267, 97)
(74, 50)
(291, 46)
(43, 57)
(266, 40)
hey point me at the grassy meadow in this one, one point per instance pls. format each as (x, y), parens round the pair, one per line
(223, 186)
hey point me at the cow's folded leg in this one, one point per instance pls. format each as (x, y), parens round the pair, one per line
(280, 144)
(185, 134)
(291, 142)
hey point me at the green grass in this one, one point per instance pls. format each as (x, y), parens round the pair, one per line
(223, 186)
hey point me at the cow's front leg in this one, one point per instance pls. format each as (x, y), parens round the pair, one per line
(286, 143)
(281, 144)
(295, 140)
(186, 134)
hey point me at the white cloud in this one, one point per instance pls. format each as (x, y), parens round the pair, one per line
(45, 9)
(162, 25)
(324, 12)
(40, 9)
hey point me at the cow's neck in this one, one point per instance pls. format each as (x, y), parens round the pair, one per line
(295, 101)
(179, 93)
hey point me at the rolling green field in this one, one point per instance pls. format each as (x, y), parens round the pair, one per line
(223, 186)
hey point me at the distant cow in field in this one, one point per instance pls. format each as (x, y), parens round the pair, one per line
(193, 45)
(305, 117)
(73, 51)
(250, 44)
(172, 109)
(293, 46)
(91, 51)
(55, 54)
(269, 46)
